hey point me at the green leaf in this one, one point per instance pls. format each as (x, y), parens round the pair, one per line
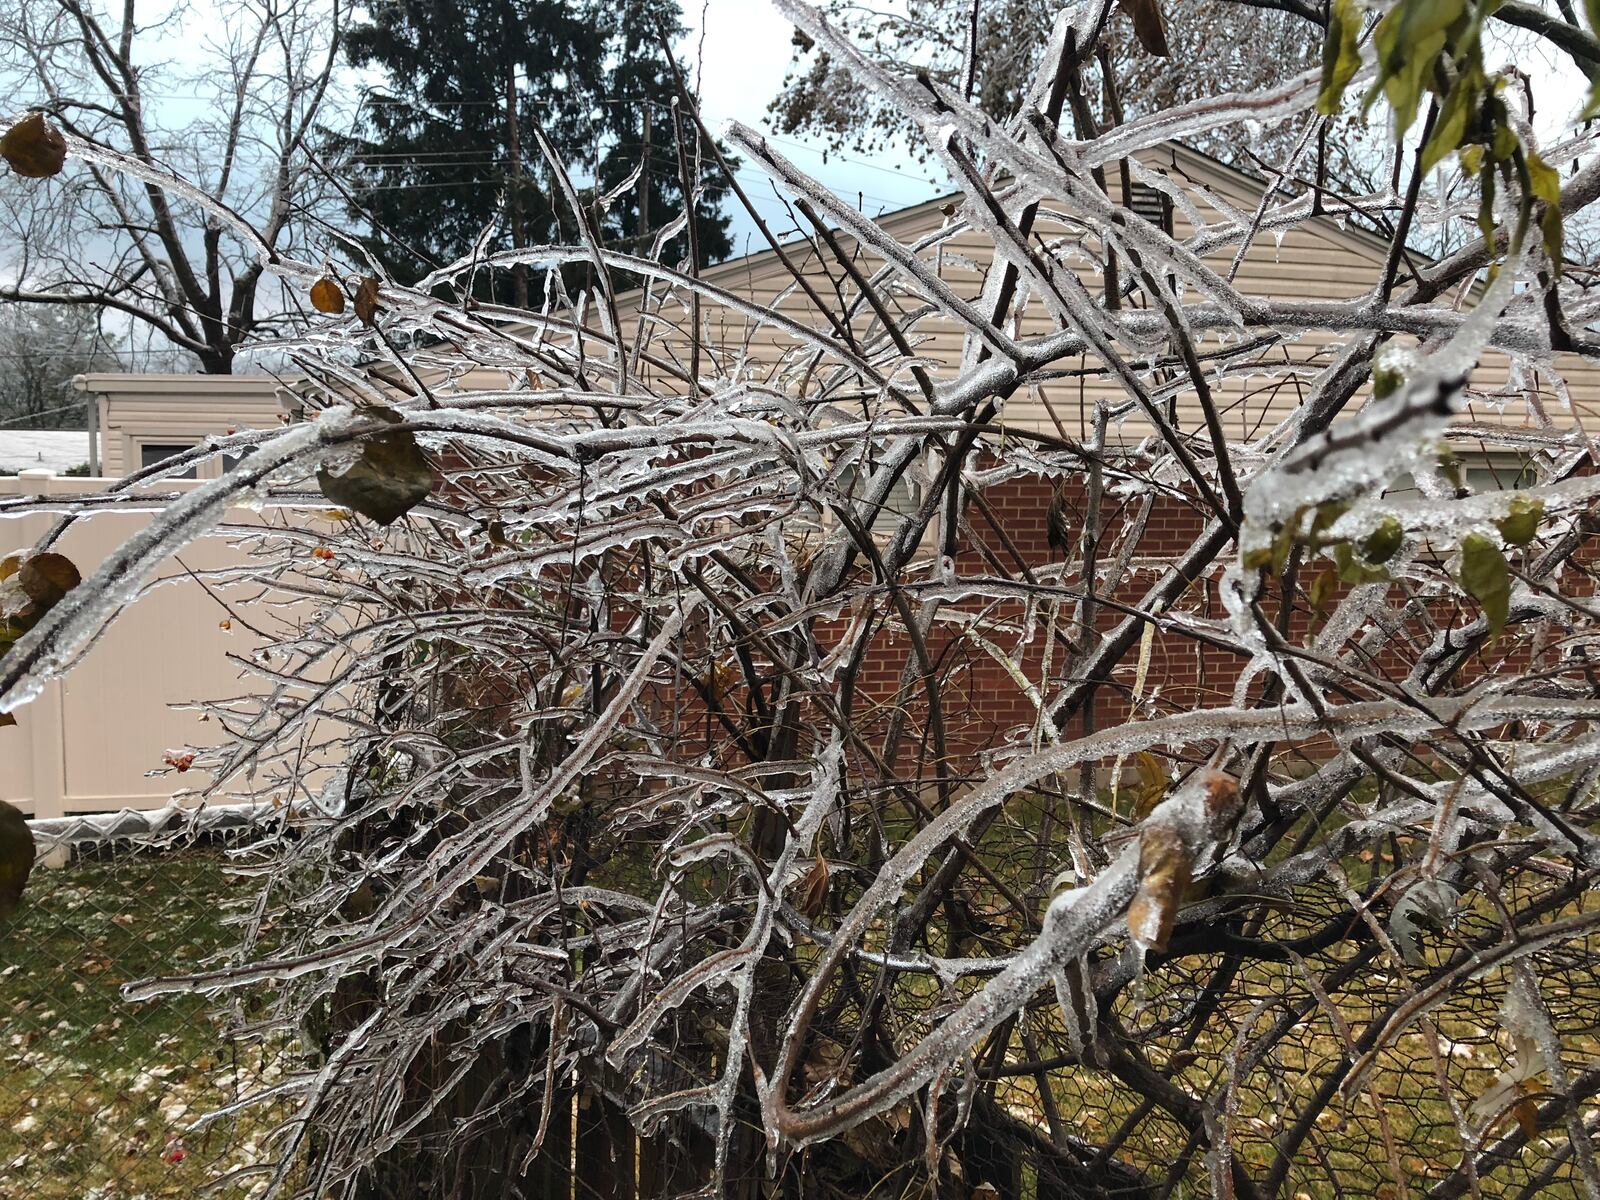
(1420, 19)
(1545, 184)
(1386, 381)
(388, 480)
(1484, 577)
(1450, 467)
(1322, 520)
(1451, 126)
(1322, 589)
(1522, 523)
(1405, 87)
(1486, 221)
(1352, 570)
(1504, 143)
(1341, 57)
(1383, 542)
(1276, 557)
(1283, 544)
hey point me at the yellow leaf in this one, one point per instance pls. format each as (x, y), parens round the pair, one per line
(1527, 1115)
(1341, 57)
(1152, 783)
(326, 297)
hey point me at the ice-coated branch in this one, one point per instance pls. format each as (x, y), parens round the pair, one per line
(1048, 643)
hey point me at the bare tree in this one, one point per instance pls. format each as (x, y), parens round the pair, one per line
(235, 127)
(41, 349)
(666, 798)
(985, 50)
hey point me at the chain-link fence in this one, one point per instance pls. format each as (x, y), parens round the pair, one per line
(99, 1096)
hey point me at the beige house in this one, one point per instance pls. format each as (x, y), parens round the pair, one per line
(1322, 259)
(136, 421)
(106, 736)
(93, 739)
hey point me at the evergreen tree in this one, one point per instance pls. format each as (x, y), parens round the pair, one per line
(442, 153)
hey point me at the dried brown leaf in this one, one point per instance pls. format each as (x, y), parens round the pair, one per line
(1164, 873)
(1148, 25)
(34, 147)
(366, 301)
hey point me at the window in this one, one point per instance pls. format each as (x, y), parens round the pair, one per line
(904, 499)
(1481, 472)
(152, 453)
(1152, 205)
(1496, 473)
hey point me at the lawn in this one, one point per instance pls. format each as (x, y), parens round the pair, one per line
(96, 1093)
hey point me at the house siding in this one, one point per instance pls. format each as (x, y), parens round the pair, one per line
(136, 410)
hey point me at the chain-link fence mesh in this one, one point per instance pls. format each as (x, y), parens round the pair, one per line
(98, 1096)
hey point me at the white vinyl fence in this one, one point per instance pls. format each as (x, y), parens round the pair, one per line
(96, 740)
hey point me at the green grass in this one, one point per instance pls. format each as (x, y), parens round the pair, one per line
(96, 1092)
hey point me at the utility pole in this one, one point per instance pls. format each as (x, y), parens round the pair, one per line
(644, 182)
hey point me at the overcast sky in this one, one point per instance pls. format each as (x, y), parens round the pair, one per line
(743, 57)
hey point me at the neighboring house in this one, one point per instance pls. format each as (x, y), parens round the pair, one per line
(105, 736)
(138, 420)
(117, 701)
(1323, 259)
(1320, 260)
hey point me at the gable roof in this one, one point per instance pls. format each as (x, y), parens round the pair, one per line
(1174, 158)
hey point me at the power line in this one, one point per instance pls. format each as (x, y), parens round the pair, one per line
(47, 412)
(395, 102)
(747, 173)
